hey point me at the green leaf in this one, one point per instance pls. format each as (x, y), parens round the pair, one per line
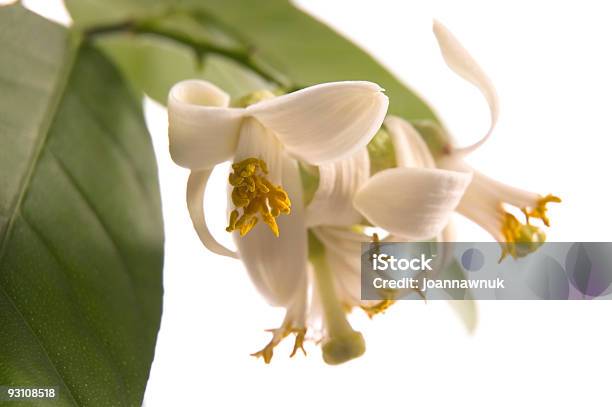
(278, 40)
(81, 233)
(152, 64)
(100, 12)
(306, 50)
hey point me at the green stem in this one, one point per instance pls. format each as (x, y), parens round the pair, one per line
(125, 26)
(243, 58)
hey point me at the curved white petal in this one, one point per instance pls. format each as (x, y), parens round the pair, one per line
(196, 186)
(297, 309)
(332, 203)
(448, 234)
(343, 255)
(444, 247)
(484, 198)
(410, 148)
(484, 189)
(461, 62)
(276, 265)
(324, 122)
(413, 203)
(203, 131)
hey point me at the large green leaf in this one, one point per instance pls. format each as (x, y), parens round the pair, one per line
(153, 64)
(99, 12)
(80, 220)
(278, 38)
(306, 50)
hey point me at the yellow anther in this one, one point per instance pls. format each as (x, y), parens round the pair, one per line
(346, 307)
(248, 225)
(377, 308)
(261, 187)
(539, 211)
(232, 221)
(244, 163)
(239, 198)
(235, 180)
(278, 335)
(300, 335)
(388, 294)
(256, 195)
(376, 244)
(271, 222)
(263, 166)
(241, 221)
(278, 206)
(520, 239)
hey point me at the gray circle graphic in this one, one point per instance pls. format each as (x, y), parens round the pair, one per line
(472, 260)
(589, 268)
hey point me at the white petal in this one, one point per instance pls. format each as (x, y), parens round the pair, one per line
(410, 148)
(484, 189)
(462, 63)
(276, 265)
(258, 141)
(343, 255)
(196, 186)
(332, 203)
(483, 200)
(413, 203)
(445, 248)
(203, 131)
(325, 122)
(298, 308)
(483, 213)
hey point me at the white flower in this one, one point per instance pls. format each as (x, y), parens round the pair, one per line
(413, 202)
(316, 125)
(307, 260)
(484, 200)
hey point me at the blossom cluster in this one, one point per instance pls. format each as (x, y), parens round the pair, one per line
(305, 253)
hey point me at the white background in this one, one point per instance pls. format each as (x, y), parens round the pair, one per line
(551, 63)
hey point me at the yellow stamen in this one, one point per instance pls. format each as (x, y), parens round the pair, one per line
(520, 239)
(278, 335)
(346, 307)
(257, 196)
(376, 243)
(300, 335)
(539, 211)
(232, 220)
(388, 293)
(377, 308)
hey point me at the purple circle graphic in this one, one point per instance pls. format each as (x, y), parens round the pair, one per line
(589, 268)
(472, 260)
